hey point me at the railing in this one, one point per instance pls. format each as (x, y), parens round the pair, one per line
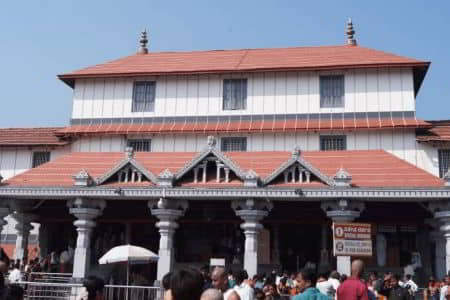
(68, 291)
(49, 277)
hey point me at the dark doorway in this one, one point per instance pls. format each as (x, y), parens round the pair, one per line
(299, 245)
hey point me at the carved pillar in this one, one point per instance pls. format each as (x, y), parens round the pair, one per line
(23, 228)
(252, 212)
(439, 248)
(324, 251)
(86, 211)
(167, 211)
(441, 211)
(343, 211)
(4, 212)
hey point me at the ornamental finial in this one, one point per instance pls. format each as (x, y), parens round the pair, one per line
(211, 141)
(350, 33)
(129, 153)
(143, 42)
(296, 152)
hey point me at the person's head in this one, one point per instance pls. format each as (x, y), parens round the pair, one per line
(259, 295)
(205, 271)
(271, 289)
(283, 281)
(219, 279)
(393, 281)
(408, 276)
(431, 281)
(94, 286)
(306, 278)
(17, 265)
(14, 292)
(343, 278)
(166, 281)
(323, 276)
(186, 284)
(292, 276)
(335, 275)
(357, 268)
(372, 276)
(211, 294)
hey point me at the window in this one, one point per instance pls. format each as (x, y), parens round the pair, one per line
(140, 145)
(333, 142)
(332, 91)
(234, 94)
(444, 160)
(143, 96)
(40, 158)
(233, 144)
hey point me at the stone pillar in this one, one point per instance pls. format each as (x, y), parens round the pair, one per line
(167, 211)
(441, 212)
(85, 210)
(4, 212)
(439, 248)
(23, 228)
(252, 212)
(343, 211)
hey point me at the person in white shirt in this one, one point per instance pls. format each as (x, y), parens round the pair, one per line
(444, 290)
(410, 284)
(242, 288)
(15, 275)
(219, 280)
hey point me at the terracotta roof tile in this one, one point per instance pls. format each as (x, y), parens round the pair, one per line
(271, 125)
(370, 168)
(43, 136)
(439, 132)
(217, 61)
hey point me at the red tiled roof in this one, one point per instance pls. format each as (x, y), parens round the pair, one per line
(44, 136)
(370, 168)
(439, 132)
(271, 125)
(270, 59)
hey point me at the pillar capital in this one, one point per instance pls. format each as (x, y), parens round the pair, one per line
(343, 210)
(86, 211)
(167, 211)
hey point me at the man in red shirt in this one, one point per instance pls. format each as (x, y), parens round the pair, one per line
(353, 288)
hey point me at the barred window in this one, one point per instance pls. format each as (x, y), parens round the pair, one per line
(333, 142)
(332, 91)
(40, 158)
(143, 96)
(444, 160)
(140, 145)
(234, 94)
(233, 144)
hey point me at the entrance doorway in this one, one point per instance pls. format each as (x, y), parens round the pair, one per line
(299, 245)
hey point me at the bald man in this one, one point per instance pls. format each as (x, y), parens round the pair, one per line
(219, 280)
(212, 294)
(353, 288)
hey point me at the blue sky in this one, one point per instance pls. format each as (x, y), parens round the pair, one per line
(40, 39)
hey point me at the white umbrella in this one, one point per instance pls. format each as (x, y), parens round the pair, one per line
(129, 254)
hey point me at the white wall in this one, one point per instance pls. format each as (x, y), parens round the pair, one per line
(369, 90)
(401, 143)
(16, 160)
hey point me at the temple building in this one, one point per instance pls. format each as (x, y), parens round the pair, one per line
(247, 155)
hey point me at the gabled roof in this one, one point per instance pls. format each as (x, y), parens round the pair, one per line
(368, 168)
(439, 132)
(39, 136)
(248, 60)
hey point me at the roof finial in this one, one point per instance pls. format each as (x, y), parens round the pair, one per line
(143, 41)
(350, 33)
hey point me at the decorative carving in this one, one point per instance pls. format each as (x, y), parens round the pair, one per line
(130, 174)
(296, 152)
(143, 42)
(165, 178)
(252, 204)
(297, 174)
(129, 153)
(343, 210)
(211, 141)
(342, 178)
(251, 179)
(446, 178)
(82, 178)
(350, 33)
(165, 203)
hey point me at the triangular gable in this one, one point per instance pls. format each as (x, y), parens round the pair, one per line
(208, 151)
(129, 161)
(296, 158)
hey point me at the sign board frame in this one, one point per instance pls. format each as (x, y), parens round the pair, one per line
(352, 239)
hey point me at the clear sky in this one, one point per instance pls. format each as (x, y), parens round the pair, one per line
(40, 39)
